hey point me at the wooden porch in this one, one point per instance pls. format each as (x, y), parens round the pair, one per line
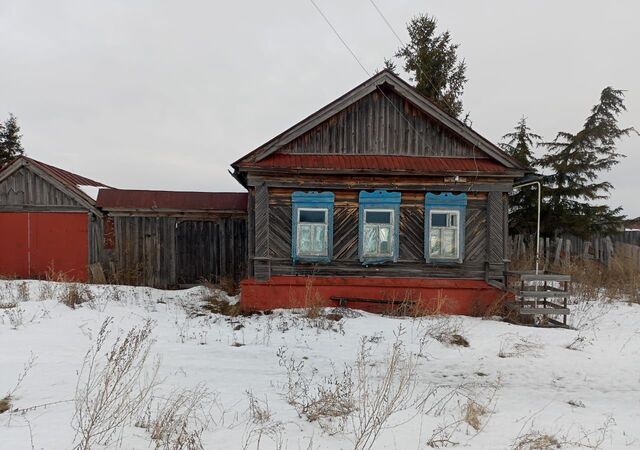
(539, 299)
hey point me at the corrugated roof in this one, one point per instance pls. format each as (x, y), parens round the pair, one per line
(64, 175)
(415, 164)
(129, 199)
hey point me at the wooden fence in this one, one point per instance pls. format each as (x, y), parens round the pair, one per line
(561, 250)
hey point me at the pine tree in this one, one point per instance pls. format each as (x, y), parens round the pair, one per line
(433, 60)
(523, 215)
(576, 162)
(10, 146)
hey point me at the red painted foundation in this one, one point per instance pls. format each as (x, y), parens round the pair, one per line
(447, 296)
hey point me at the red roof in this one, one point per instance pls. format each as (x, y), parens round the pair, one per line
(64, 175)
(416, 164)
(171, 200)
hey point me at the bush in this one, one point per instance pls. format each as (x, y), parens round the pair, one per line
(181, 419)
(108, 393)
(76, 294)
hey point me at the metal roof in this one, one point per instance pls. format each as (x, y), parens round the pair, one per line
(128, 199)
(413, 164)
(64, 175)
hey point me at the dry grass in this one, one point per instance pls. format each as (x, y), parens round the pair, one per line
(213, 303)
(113, 385)
(5, 404)
(447, 330)
(536, 440)
(312, 301)
(513, 346)
(55, 275)
(474, 412)
(75, 295)
(226, 284)
(181, 420)
(413, 305)
(22, 290)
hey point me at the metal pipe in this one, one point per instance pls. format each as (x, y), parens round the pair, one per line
(538, 224)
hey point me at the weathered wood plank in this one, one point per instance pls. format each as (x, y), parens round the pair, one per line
(385, 125)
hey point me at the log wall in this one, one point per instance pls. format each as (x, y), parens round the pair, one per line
(484, 239)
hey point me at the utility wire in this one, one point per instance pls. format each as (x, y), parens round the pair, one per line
(340, 37)
(473, 150)
(353, 54)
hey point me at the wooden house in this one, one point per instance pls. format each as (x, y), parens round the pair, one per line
(379, 197)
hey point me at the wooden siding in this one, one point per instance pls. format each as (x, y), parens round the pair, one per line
(345, 250)
(261, 268)
(26, 190)
(165, 251)
(384, 125)
(215, 250)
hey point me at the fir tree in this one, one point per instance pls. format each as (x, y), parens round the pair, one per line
(389, 65)
(576, 162)
(10, 146)
(523, 215)
(433, 61)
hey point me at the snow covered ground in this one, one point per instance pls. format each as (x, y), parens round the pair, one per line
(510, 385)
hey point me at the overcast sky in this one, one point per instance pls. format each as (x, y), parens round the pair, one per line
(166, 94)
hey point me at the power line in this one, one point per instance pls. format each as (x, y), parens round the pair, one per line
(326, 19)
(340, 37)
(426, 76)
(429, 79)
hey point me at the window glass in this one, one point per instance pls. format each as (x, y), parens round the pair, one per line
(438, 220)
(370, 240)
(378, 233)
(319, 239)
(434, 243)
(312, 232)
(378, 217)
(443, 238)
(312, 215)
(385, 240)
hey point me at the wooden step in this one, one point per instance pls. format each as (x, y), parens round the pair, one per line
(544, 294)
(529, 310)
(544, 277)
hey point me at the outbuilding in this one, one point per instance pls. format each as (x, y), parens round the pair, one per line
(48, 217)
(173, 238)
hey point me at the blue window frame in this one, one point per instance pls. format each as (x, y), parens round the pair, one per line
(379, 233)
(312, 226)
(444, 218)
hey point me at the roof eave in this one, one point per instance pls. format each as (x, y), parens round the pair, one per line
(512, 173)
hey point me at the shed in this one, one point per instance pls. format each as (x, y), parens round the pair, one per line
(379, 197)
(48, 217)
(172, 238)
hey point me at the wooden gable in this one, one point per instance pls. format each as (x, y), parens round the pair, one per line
(382, 123)
(25, 187)
(382, 116)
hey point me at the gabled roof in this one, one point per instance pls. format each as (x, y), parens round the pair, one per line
(403, 89)
(74, 183)
(129, 199)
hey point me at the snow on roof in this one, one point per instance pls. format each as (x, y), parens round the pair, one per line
(91, 191)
